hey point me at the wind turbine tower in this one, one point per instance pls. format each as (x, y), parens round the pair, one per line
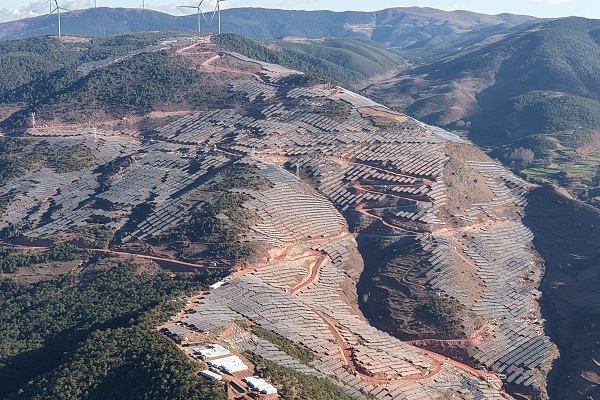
(198, 12)
(57, 9)
(217, 11)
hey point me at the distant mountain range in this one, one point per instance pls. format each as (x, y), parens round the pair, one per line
(533, 87)
(558, 56)
(399, 27)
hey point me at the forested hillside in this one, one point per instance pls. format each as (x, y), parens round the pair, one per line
(89, 335)
(139, 85)
(23, 61)
(346, 62)
(41, 75)
(559, 56)
(352, 60)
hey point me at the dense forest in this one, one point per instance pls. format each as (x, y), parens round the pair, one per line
(542, 112)
(137, 85)
(346, 62)
(89, 335)
(352, 61)
(26, 60)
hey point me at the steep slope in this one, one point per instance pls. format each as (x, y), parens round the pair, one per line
(568, 238)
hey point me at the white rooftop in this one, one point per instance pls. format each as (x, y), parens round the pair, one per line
(229, 364)
(211, 375)
(261, 385)
(213, 351)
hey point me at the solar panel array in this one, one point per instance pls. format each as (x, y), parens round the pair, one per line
(393, 176)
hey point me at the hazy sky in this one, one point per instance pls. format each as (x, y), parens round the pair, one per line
(15, 9)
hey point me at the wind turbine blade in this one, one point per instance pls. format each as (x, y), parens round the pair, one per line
(203, 15)
(186, 7)
(214, 12)
(49, 2)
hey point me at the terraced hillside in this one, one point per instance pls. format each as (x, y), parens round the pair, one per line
(532, 89)
(302, 189)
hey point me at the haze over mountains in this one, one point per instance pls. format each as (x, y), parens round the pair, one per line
(398, 26)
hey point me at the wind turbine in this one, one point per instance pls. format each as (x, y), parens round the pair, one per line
(57, 9)
(199, 11)
(218, 11)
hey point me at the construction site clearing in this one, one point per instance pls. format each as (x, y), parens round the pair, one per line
(331, 180)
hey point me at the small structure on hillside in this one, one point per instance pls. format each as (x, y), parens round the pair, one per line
(211, 375)
(259, 384)
(229, 364)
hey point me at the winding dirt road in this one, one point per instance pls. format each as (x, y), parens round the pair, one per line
(125, 254)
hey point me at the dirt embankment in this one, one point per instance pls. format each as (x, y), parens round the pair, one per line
(392, 291)
(465, 185)
(567, 236)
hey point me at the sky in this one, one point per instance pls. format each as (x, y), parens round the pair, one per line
(17, 9)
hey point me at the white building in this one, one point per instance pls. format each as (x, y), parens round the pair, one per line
(229, 364)
(258, 383)
(213, 351)
(211, 375)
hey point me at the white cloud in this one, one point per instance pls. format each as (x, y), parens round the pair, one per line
(173, 8)
(30, 10)
(553, 2)
(41, 7)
